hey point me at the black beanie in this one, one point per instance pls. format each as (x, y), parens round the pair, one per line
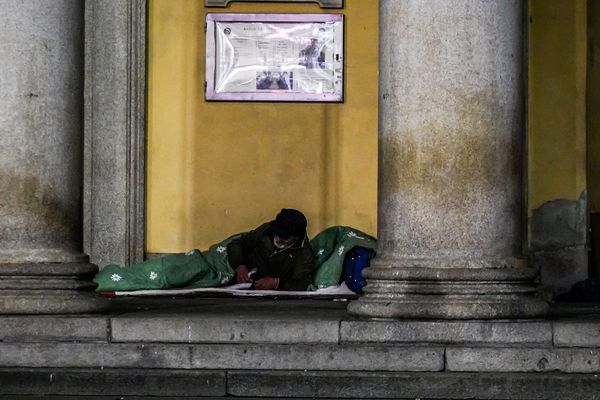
(289, 222)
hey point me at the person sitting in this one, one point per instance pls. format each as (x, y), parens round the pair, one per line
(276, 255)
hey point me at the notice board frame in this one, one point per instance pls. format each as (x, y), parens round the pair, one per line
(274, 57)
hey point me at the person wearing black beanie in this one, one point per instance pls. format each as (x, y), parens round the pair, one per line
(276, 255)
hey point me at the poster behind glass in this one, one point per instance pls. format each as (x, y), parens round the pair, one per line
(274, 57)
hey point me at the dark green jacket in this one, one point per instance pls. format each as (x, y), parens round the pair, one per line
(293, 266)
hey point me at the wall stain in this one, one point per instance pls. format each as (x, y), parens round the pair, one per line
(25, 198)
(453, 162)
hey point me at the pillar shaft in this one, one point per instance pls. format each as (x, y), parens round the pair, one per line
(450, 143)
(41, 110)
(41, 115)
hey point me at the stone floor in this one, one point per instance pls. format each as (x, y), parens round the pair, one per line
(267, 348)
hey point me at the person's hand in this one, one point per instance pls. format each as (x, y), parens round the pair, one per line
(242, 275)
(266, 284)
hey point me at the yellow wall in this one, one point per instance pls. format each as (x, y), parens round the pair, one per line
(593, 107)
(216, 168)
(556, 105)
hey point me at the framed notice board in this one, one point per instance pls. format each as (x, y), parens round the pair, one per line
(274, 57)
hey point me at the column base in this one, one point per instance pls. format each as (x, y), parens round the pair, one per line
(49, 288)
(438, 293)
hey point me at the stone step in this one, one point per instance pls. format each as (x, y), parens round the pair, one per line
(248, 321)
(194, 328)
(186, 348)
(182, 384)
(310, 357)
(432, 385)
(223, 356)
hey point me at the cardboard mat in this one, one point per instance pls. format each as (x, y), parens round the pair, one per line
(240, 290)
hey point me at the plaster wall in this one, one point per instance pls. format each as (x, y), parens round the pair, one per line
(557, 69)
(593, 106)
(557, 197)
(593, 132)
(219, 168)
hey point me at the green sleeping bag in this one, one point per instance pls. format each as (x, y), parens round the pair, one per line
(210, 268)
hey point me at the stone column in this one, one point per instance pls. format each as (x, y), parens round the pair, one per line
(42, 267)
(451, 131)
(115, 134)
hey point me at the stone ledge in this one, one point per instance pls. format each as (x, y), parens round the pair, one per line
(226, 320)
(479, 332)
(251, 321)
(576, 334)
(574, 360)
(88, 355)
(80, 382)
(438, 385)
(214, 357)
(159, 384)
(315, 357)
(319, 357)
(223, 329)
(50, 328)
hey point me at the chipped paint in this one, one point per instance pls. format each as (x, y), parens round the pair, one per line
(558, 224)
(558, 242)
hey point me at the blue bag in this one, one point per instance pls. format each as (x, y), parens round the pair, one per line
(356, 260)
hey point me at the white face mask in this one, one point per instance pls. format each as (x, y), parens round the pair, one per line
(283, 243)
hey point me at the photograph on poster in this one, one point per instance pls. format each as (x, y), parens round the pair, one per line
(282, 80)
(274, 57)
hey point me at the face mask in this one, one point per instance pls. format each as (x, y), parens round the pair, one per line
(283, 243)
